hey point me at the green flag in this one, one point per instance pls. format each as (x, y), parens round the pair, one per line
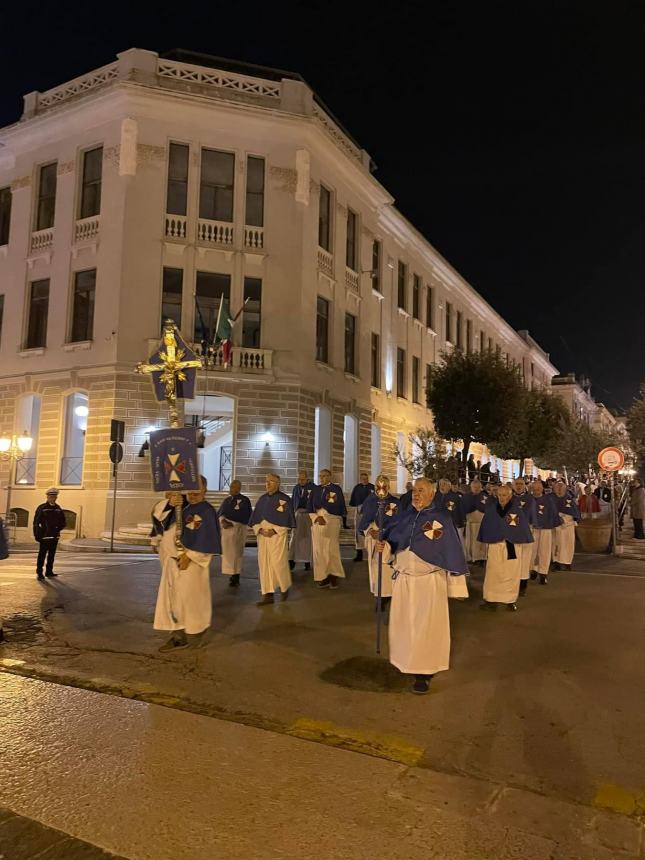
(224, 324)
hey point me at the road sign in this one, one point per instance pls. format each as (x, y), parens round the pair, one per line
(116, 452)
(611, 459)
(117, 430)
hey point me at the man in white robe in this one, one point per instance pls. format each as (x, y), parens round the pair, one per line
(524, 550)
(360, 493)
(430, 567)
(272, 520)
(184, 599)
(545, 520)
(474, 503)
(369, 526)
(564, 535)
(234, 515)
(327, 509)
(300, 551)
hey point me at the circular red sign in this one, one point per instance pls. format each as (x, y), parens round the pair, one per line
(611, 459)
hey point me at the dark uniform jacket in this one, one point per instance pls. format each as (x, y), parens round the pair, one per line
(49, 521)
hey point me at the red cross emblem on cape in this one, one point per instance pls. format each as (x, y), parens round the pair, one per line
(193, 522)
(568, 504)
(331, 498)
(513, 519)
(237, 504)
(522, 502)
(390, 510)
(450, 505)
(540, 509)
(433, 530)
(482, 499)
(173, 465)
(281, 507)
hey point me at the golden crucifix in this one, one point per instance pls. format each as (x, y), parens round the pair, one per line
(170, 368)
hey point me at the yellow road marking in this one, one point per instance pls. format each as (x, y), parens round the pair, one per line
(619, 799)
(388, 747)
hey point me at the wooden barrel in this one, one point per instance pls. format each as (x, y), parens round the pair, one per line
(594, 535)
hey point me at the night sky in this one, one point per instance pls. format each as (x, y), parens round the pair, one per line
(511, 134)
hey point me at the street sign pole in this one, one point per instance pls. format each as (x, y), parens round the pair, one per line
(116, 455)
(115, 470)
(612, 459)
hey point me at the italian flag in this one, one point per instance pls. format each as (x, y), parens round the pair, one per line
(223, 330)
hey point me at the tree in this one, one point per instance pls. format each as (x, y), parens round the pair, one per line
(533, 430)
(428, 456)
(636, 426)
(575, 448)
(472, 395)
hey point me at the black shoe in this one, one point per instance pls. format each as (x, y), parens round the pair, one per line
(2, 639)
(567, 566)
(556, 565)
(292, 564)
(325, 583)
(333, 581)
(266, 600)
(359, 555)
(51, 574)
(511, 607)
(491, 607)
(285, 595)
(421, 684)
(542, 579)
(534, 574)
(307, 566)
(234, 581)
(177, 642)
(480, 562)
(385, 602)
(40, 577)
(524, 583)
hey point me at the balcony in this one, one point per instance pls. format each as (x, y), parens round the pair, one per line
(87, 229)
(254, 238)
(326, 262)
(351, 279)
(176, 227)
(244, 359)
(42, 239)
(215, 233)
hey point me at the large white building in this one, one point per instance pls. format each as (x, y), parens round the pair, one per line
(150, 187)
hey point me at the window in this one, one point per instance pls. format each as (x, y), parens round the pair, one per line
(177, 190)
(469, 335)
(46, 197)
(324, 219)
(403, 274)
(376, 266)
(37, 319)
(91, 187)
(482, 341)
(216, 185)
(460, 325)
(322, 439)
(428, 378)
(251, 316)
(400, 373)
(350, 450)
(210, 288)
(254, 216)
(350, 343)
(5, 215)
(415, 379)
(375, 375)
(1, 315)
(352, 235)
(376, 450)
(429, 308)
(83, 306)
(171, 292)
(28, 418)
(490, 344)
(498, 350)
(448, 322)
(322, 330)
(76, 412)
(416, 297)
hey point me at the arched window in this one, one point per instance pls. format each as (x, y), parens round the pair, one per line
(322, 440)
(22, 517)
(350, 443)
(76, 413)
(376, 451)
(27, 420)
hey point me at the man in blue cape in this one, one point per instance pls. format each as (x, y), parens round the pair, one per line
(473, 505)
(326, 510)
(369, 526)
(447, 499)
(546, 519)
(234, 515)
(272, 521)
(300, 551)
(184, 604)
(430, 567)
(564, 535)
(525, 550)
(504, 527)
(360, 492)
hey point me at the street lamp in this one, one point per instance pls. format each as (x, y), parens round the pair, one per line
(13, 449)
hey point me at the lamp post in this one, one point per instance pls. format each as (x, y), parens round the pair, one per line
(14, 448)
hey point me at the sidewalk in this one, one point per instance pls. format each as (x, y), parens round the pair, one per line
(152, 783)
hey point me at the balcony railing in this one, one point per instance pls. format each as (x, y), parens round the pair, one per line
(247, 359)
(42, 239)
(254, 238)
(215, 232)
(326, 262)
(351, 279)
(87, 229)
(176, 226)
(71, 470)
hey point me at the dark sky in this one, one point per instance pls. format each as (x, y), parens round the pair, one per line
(511, 134)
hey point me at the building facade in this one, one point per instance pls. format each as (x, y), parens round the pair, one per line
(149, 189)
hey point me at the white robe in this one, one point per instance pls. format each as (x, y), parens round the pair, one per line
(475, 551)
(300, 546)
(325, 541)
(372, 565)
(233, 540)
(273, 558)
(502, 580)
(525, 554)
(359, 537)
(184, 597)
(541, 556)
(419, 629)
(564, 540)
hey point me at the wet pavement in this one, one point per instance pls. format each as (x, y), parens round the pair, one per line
(547, 701)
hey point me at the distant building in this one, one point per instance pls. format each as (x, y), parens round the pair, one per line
(150, 188)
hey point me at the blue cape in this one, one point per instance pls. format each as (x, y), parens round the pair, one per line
(452, 503)
(546, 512)
(330, 498)
(505, 524)
(300, 495)
(527, 502)
(567, 505)
(201, 529)
(275, 509)
(431, 535)
(237, 509)
(475, 502)
(359, 494)
(369, 511)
